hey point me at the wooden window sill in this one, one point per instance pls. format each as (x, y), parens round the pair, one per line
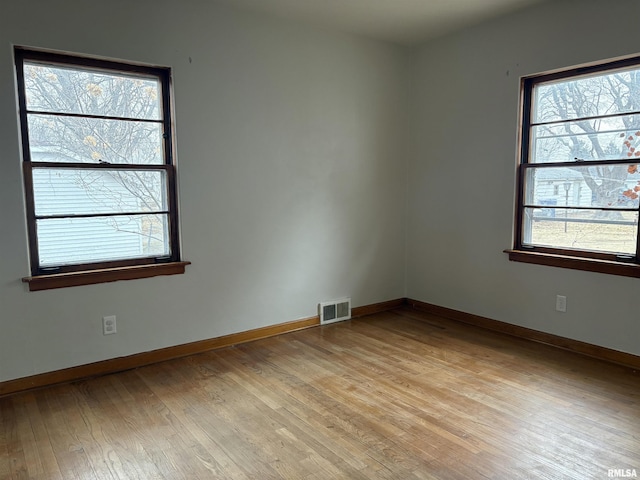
(91, 277)
(575, 263)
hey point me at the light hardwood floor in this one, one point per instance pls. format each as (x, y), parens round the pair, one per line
(396, 395)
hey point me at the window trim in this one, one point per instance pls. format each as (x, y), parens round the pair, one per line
(92, 277)
(99, 271)
(584, 260)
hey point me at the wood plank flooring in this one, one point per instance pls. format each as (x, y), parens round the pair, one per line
(397, 395)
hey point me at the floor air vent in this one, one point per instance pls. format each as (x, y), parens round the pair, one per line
(335, 311)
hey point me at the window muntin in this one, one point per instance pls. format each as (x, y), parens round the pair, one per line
(578, 183)
(99, 175)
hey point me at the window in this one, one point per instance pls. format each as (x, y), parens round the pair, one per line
(578, 178)
(100, 181)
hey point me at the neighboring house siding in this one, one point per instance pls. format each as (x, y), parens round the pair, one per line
(77, 240)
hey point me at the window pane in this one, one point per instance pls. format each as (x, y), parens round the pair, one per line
(588, 96)
(91, 92)
(602, 186)
(593, 230)
(90, 140)
(602, 139)
(71, 241)
(92, 191)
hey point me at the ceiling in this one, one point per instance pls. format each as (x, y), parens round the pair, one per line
(406, 22)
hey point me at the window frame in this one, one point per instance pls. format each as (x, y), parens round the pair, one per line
(45, 277)
(585, 260)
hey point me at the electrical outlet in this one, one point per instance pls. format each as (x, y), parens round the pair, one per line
(109, 325)
(561, 303)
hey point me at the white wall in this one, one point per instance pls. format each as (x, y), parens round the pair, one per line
(462, 167)
(292, 178)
